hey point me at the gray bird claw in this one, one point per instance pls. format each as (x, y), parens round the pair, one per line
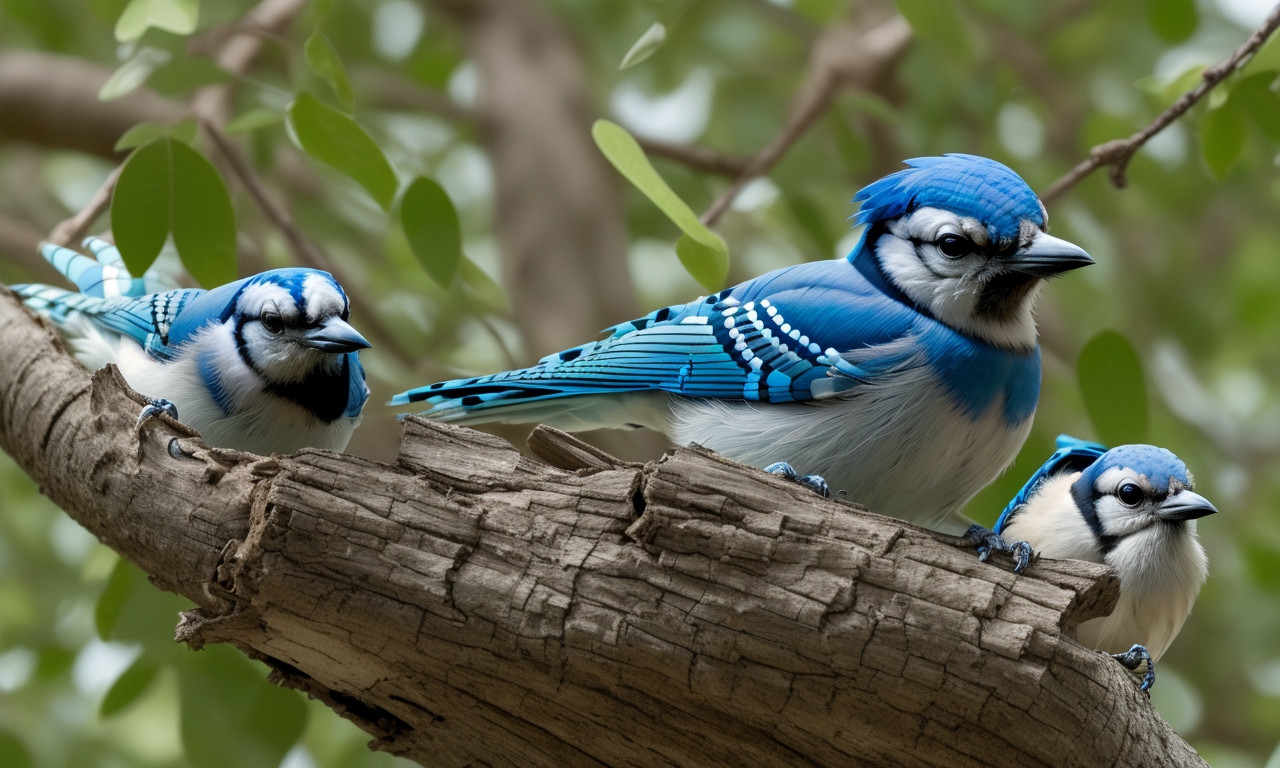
(1132, 659)
(156, 407)
(986, 542)
(815, 483)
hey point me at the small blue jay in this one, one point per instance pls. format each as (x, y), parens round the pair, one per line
(1133, 509)
(906, 374)
(265, 364)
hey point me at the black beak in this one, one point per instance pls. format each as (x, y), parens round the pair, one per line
(334, 335)
(1048, 255)
(1185, 505)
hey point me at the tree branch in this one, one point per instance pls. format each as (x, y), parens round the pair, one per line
(467, 605)
(1118, 152)
(842, 58)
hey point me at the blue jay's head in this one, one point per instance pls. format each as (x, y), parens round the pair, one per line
(291, 322)
(965, 240)
(1134, 487)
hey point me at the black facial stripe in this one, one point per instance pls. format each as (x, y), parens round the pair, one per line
(242, 348)
(1003, 295)
(1082, 493)
(323, 393)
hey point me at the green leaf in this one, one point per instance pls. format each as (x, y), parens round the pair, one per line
(649, 42)
(483, 290)
(133, 73)
(107, 610)
(323, 59)
(338, 141)
(166, 188)
(1222, 137)
(177, 16)
(940, 23)
(223, 694)
(708, 265)
(145, 133)
(128, 687)
(430, 224)
(704, 249)
(13, 753)
(1114, 389)
(252, 120)
(1257, 94)
(1174, 20)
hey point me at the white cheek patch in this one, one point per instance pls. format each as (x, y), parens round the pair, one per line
(256, 296)
(321, 298)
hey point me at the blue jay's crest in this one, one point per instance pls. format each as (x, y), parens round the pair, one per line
(966, 184)
(1160, 467)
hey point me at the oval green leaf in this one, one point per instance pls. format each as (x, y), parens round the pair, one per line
(107, 610)
(223, 693)
(168, 187)
(144, 133)
(430, 224)
(1174, 20)
(177, 16)
(128, 687)
(133, 73)
(323, 60)
(1262, 103)
(252, 120)
(709, 254)
(1222, 136)
(1114, 388)
(649, 42)
(339, 142)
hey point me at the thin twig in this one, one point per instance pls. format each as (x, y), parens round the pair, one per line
(842, 58)
(698, 158)
(70, 231)
(1118, 152)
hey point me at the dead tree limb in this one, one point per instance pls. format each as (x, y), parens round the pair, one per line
(469, 605)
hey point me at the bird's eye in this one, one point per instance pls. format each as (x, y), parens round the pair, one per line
(1130, 495)
(272, 322)
(954, 246)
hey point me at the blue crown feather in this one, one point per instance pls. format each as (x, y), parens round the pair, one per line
(967, 184)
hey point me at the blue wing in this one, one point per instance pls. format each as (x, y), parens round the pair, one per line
(1073, 455)
(782, 337)
(109, 296)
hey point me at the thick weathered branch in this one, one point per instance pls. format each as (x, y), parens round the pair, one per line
(468, 605)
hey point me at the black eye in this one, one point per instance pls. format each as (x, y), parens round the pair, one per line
(1130, 495)
(272, 322)
(955, 246)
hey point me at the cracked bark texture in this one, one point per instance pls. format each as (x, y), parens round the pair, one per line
(468, 605)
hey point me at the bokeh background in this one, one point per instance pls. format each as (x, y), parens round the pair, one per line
(1172, 338)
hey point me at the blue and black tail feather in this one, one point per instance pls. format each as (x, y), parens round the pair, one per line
(108, 296)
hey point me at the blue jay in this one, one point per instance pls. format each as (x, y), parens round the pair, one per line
(906, 373)
(265, 364)
(1132, 508)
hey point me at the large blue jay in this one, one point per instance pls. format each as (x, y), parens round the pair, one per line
(906, 374)
(1132, 508)
(264, 364)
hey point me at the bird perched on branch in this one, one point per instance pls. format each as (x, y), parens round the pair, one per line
(1132, 508)
(267, 363)
(906, 373)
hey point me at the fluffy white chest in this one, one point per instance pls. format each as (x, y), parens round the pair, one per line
(898, 446)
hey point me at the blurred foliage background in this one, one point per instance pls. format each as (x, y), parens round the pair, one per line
(536, 243)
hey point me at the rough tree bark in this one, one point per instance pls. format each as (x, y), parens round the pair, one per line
(467, 605)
